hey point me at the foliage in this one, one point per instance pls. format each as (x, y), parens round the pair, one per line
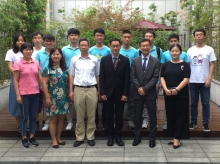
(24, 16)
(204, 14)
(152, 16)
(111, 16)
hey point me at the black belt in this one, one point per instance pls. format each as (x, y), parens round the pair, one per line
(80, 86)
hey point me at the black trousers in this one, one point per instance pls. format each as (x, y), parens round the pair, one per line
(97, 115)
(114, 109)
(138, 111)
(177, 110)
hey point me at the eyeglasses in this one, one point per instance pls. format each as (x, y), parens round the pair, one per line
(99, 36)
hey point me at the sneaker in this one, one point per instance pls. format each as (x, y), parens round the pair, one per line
(69, 126)
(19, 129)
(130, 125)
(46, 127)
(192, 125)
(165, 127)
(33, 142)
(25, 143)
(206, 128)
(145, 123)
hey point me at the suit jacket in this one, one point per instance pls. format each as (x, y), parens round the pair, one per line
(110, 79)
(147, 81)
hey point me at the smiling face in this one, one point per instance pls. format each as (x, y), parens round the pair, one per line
(175, 53)
(56, 56)
(27, 53)
(145, 48)
(48, 43)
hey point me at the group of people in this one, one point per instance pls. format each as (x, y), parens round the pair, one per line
(78, 77)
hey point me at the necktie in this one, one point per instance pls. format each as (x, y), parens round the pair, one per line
(144, 65)
(115, 63)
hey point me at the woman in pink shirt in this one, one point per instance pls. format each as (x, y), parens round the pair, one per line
(26, 84)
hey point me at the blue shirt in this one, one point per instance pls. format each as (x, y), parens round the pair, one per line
(167, 57)
(68, 52)
(153, 52)
(130, 54)
(99, 53)
(43, 59)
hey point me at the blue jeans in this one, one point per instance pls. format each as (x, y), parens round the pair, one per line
(28, 108)
(195, 89)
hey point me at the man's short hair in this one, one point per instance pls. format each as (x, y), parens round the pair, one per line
(151, 32)
(199, 30)
(37, 33)
(144, 40)
(49, 37)
(176, 36)
(84, 39)
(114, 39)
(126, 32)
(73, 31)
(98, 30)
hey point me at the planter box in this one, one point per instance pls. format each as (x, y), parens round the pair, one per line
(215, 91)
(4, 92)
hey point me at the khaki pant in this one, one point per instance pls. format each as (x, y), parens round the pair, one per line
(85, 102)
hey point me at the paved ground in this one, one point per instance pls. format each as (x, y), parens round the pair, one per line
(195, 150)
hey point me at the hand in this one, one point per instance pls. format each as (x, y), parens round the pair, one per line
(141, 91)
(18, 98)
(71, 95)
(103, 97)
(174, 92)
(124, 98)
(99, 97)
(207, 83)
(48, 101)
(168, 92)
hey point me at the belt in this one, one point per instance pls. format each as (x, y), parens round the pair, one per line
(80, 86)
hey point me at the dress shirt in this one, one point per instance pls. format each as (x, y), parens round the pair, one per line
(115, 57)
(148, 56)
(84, 70)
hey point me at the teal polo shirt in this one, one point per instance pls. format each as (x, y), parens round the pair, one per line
(68, 52)
(130, 54)
(99, 53)
(43, 59)
(167, 57)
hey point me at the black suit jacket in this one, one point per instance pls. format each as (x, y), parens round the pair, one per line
(110, 79)
(147, 81)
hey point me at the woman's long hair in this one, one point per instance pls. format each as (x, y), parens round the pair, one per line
(14, 46)
(62, 61)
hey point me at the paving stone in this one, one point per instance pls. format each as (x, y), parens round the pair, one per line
(189, 160)
(143, 150)
(4, 149)
(30, 149)
(207, 146)
(4, 145)
(61, 159)
(22, 154)
(194, 145)
(103, 159)
(190, 155)
(104, 154)
(20, 159)
(213, 155)
(8, 141)
(182, 150)
(64, 152)
(139, 154)
(210, 142)
(41, 145)
(145, 159)
(211, 150)
(215, 160)
(182, 141)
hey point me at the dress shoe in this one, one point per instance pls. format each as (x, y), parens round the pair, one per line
(110, 142)
(152, 143)
(119, 142)
(61, 143)
(177, 146)
(136, 141)
(170, 143)
(91, 142)
(55, 146)
(78, 143)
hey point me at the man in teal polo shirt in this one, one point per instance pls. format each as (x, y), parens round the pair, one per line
(130, 52)
(68, 52)
(43, 59)
(173, 39)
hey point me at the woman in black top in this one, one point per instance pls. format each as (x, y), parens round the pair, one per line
(175, 75)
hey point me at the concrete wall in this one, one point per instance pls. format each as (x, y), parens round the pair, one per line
(215, 91)
(4, 93)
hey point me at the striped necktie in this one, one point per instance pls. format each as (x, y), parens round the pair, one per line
(115, 63)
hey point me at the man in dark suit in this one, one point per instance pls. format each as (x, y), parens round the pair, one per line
(114, 86)
(144, 75)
